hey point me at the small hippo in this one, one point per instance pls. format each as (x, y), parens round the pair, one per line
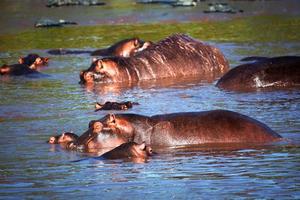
(16, 70)
(114, 105)
(33, 61)
(123, 48)
(63, 138)
(129, 150)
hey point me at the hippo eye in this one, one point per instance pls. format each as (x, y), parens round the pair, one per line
(136, 43)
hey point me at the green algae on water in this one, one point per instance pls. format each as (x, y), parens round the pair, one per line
(251, 29)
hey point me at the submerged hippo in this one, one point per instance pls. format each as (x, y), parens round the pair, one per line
(33, 61)
(129, 150)
(277, 72)
(191, 128)
(114, 105)
(63, 138)
(123, 48)
(17, 70)
(174, 57)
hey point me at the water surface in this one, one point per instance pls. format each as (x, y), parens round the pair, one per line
(34, 108)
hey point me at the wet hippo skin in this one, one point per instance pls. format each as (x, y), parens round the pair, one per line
(16, 70)
(274, 73)
(174, 57)
(216, 126)
(128, 150)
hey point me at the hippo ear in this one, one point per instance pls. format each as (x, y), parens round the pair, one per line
(142, 146)
(98, 106)
(21, 60)
(112, 118)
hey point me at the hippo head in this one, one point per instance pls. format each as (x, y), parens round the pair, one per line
(97, 138)
(118, 125)
(33, 60)
(65, 137)
(140, 150)
(130, 150)
(128, 47)
(101, 70)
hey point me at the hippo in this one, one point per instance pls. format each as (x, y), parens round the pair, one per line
(276, 73)
(129, 150)
(114, 105)
(97, 138)
(17, 70)
(33, 61)
(174, 57)
(66, 137)
(124, 48)
(188, 128)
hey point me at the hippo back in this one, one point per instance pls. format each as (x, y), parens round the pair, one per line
(277, 72)
(216, 126)
(178, 56)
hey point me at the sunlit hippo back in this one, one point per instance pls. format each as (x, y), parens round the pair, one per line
(174, 57)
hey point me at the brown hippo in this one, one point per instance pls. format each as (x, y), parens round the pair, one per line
(129, 150)
(174, 57)
(63, 138)
(191, 128)
(277, 72)
(97, 138)
(114, 105)
(34, 61)
(17, 70)
(123, 48)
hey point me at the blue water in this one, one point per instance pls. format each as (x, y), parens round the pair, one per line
(32, 109)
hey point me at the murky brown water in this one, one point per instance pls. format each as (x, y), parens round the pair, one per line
(32, 109)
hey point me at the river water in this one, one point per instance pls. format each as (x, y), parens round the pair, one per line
(34, 108)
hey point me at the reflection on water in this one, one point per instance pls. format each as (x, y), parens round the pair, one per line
(32, 109)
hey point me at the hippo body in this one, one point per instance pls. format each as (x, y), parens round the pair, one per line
(17, 70)
(114, 105)
(128, 150)
(191, 128)
(174, 57)
(123, 48)
(277, 72)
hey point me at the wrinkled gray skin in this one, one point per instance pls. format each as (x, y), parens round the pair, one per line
(274, 73)
(191, 128)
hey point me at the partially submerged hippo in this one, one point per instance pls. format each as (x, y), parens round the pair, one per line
(27, 65)
(125, 105)
(65, 137)
(174, 57)
(277, 72)
(123, 48)
(33, 61)
(17, 70)
(191, 128)
(97, 138)
(129, 150)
